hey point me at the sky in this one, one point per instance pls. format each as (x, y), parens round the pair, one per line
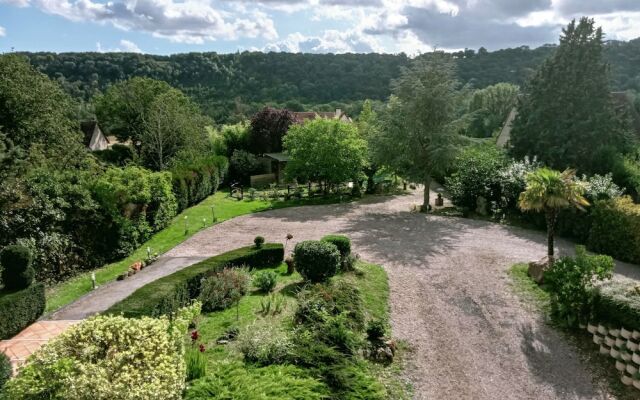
(308, 26)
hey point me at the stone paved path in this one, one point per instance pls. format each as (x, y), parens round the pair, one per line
(450, 294)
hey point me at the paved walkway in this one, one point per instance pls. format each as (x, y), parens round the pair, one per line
(31, 339)
(450, 294)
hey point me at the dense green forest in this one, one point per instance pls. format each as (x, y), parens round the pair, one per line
(229, 87)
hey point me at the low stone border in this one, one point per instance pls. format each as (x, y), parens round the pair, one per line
(623, 346)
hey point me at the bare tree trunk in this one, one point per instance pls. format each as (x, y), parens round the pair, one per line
(552, 217)
(425, 201)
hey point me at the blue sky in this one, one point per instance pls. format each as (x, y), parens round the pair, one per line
(320, 26)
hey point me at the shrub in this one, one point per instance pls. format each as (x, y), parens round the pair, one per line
(275, 382)
(616, 229)
(336, 331)
(571, 281)
(258, 242)
(167, 294)
(352, 381)
(376, 330)
(477, 175)
(265, 280)
(5, 370)
(222, 289)
(618, 304)
(264, 344)
(341, 242)
(316, 261)
(20, 309)
(17, 272)
(330, 299)
(109, 358)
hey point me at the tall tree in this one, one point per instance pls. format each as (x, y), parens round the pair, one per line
(268, 127)
(367, 125)
(418, 137)
(550, 191)
(489, 108)
(567, 117)
(124, 108)
(173, 124)
(324, 150)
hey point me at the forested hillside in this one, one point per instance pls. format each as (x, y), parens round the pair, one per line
(231, 86)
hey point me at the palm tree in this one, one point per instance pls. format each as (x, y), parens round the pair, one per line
(549, 191)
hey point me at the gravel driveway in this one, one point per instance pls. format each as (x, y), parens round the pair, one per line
(450, 294)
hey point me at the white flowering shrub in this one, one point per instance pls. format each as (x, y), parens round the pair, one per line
(601, 187)
(109, 357)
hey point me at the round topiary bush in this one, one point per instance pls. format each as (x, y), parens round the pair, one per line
(17, 272)
(316, 260)
(342, 242)
(258, 241)
(5, 370)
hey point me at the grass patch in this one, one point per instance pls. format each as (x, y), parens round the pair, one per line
(224, 207)
(531, 293)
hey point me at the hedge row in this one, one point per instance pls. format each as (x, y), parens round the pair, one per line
(618, 304)
(168, 294)
(615, 229)
(195, 180)
(20, 309)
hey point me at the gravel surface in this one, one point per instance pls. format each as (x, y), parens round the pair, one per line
(450, 294)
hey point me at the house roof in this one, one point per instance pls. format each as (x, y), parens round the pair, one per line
(87, 128)
(282, 157)
(303, 116)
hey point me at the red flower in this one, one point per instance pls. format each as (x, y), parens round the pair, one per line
(201, 348)
(194, 335)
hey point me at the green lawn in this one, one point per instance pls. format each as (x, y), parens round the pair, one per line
(225, 208)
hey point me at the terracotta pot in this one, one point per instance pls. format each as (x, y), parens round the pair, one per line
(627, 380)
(636, 358)
(592, 328)
(620, 366)
(597, 339)
(625, 333)
(602, 329)
(631, 369)
(631, 345)
(604, 349)
(609, 340)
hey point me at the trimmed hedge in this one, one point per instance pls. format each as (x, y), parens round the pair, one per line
(342, 242)
(20, 309)
(168, 294)
(17, 272)
(195, 180)
(616, 229)
(617, 304)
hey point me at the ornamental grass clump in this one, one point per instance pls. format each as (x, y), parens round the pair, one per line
(265, 281)
(108, 357)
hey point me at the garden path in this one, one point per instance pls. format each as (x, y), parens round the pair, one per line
(451, 299)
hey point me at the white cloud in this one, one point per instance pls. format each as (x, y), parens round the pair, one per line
(16, 3)
(188, 21)
(330, 41)
(3, 32)
(125, 46)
